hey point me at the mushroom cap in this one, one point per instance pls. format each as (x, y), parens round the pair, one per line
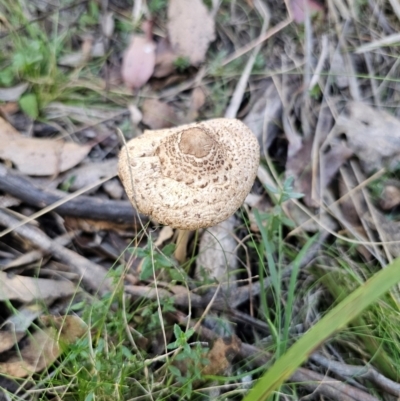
(192, 176)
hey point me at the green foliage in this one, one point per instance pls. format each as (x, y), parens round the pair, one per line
(154, 260)
(182, 63)
(335, 320)
(156, 6)
(90, 18)
(29, 105)
(193, 357)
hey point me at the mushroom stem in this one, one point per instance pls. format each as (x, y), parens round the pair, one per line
(181, 245)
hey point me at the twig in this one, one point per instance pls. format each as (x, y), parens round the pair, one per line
(92, 275)
(312, 381)
(182, 299)
(83, 206)
(364, 372)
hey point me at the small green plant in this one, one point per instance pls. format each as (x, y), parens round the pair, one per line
(154, 260)
(155, 6)
(182, 64)
(193, 355)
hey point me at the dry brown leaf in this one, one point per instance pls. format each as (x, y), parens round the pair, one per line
(221, 355)
(70, 327)
(197, 100)
(89, 174)
(9, 108)
(7, 131)
(89, 115)
(390, 197)
(373, 135)
(114, 189)
(94, 226)
(38, 156)
(14, 93)
(165, 59)
(157, 115)
(9, 201)
(347, 207)
(44, 347)
(28, 289)
(9, 338)
(299, 167)
(165, 234)
(264, 117)
(388, 229)
(138, 62)
(14, 328)
(191, 28)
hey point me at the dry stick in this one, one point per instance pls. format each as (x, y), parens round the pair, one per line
(364, 372)
(93, 276)
(83, 206)
(312, 381)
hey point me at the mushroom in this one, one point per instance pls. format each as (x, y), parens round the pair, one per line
(192, 176)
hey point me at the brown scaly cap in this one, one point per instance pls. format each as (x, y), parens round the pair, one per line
(192, 176)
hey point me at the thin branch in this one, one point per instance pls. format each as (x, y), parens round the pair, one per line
(93, 276)
(82, 206)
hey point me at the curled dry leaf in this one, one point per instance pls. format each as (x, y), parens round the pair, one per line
(9, 338)
(165, 234)
(14, 93)
(221, 355)
(91, 173)
(9, 201)
(38, 156)
(191, 28)
(299, 166)
(14, 328)
(138, 62)
(113, 189)
(197, 100)
(390, 197)
(157, 115)
(165, 59)
(264, 116)
(28, 289)
(373, 135)
(44, 347)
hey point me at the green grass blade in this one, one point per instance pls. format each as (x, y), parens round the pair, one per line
(332, 322)
(292, 288)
